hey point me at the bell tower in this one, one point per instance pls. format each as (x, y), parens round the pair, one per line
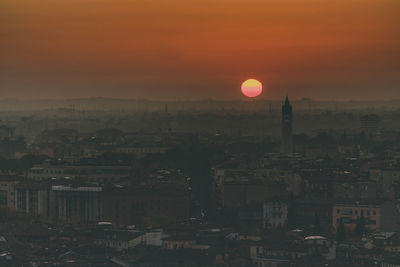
(287, 139)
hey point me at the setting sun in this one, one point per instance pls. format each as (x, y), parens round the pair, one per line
(251, 88)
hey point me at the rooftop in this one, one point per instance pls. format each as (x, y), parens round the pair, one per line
(76, 189)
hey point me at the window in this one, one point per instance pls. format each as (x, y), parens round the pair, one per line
(3, 197)
(374, 212)
(338, 211)
(347, 211)
(347, 220)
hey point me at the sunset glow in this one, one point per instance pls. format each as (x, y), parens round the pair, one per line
(153, 49)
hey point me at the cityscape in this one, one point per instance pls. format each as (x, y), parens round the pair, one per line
(223, 194)
(200, 133)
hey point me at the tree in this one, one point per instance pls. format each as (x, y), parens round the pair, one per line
(291, 218)
(3, 215)
(317, 225)
(341, 232)
(360, 226)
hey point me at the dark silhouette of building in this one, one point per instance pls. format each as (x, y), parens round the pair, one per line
(370, 123)
(167, 120)
(146, 205)
(287, 139)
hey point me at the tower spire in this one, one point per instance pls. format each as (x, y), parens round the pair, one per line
(287, 140)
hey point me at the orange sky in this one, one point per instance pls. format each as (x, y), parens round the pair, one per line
(189, 49)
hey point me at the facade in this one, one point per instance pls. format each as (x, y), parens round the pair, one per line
(178, 242)
(141, 151)
(33, 198)
(390, 216)
(317, 186)
(308, 209)
(241, 187)
(356, 189)
(240, 194)
(145, 205)
(292, 181)
(388, 182)
(154, 238)
(59, 202)
(350, 213)
(7, 190)
(321, 245)
(274, 214)
(88, 173)
(370, 123)
(284, 252)
(287, 138)
(76, 204)
(119, 239)
(271, 262)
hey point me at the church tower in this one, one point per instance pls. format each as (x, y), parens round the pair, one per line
(287, 139)
(167, 120)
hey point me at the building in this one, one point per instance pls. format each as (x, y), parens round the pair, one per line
(388, 182)
(76, 204)
(282, 251)
(287, 139)
(119, 239)
(390, 216)
(7, 190)
(321, 245)
(88, 173)
(240, 187)
(370, 123)
(349, 213)
(178, 242)
(33, 198)
(6, 132)
(307, 209)
(154, 237)
(146, 205)
(275, 214)
(142, 150)
(240, 194)
(355, 189)
(316, 184)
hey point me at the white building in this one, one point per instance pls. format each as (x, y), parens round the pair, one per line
(119, 239)
(89, 173)
(274, 214)
(154, 238)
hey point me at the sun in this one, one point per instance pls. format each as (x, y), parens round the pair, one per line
(251, 88)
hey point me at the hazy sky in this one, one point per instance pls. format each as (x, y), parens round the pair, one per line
(190, 49)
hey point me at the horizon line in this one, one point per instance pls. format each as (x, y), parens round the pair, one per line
(196, 100)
